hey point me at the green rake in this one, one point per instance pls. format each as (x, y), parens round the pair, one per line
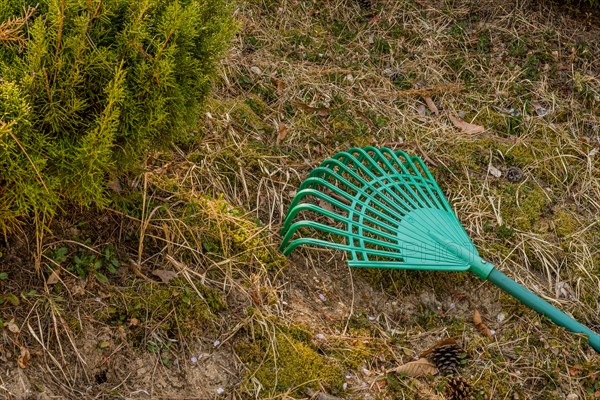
(385, 209)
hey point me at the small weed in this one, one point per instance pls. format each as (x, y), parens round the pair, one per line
(175, 311)
(9, 298)
(381, 46)
(484, 43)
(458, 29)
(518, 48)
(86, 263)
(504, 232)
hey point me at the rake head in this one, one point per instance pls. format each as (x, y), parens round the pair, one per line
(385, 210)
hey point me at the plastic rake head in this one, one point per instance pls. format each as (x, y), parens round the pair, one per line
(385, 210)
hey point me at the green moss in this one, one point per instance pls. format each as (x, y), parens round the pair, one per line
(256, 104)
(505, 124)
(565, 223)
(520, 154)
(522, 208)
(359, 325)
(229, 232)
(353, 354)
(469, 154)
(283, 363)
(244, 115)
(175, 309)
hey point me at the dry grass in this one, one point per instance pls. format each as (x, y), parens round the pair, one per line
(306, 79)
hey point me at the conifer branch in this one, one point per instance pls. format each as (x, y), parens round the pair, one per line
(61, 21)
(11, 30)
(6, 128)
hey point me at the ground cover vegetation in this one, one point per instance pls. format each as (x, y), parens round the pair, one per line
(176, 289)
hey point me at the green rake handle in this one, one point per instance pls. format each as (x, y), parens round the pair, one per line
(541, 306)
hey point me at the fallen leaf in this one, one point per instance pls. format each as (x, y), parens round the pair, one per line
(256, 297)
(23, 357)
(282, 130)
(494, 171)
(375, 20)
(431, 105)
(382, 383)
(165, 276)
(12, 326)
(465, 126)
(53, 278)
(421, 367)
(279, 84)
(320, 111)
(483, 328)
(575, 370)
(325, 205)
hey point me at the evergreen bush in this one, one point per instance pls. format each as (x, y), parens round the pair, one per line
(87, 87)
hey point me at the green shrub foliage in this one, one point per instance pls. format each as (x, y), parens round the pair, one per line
(87, 87)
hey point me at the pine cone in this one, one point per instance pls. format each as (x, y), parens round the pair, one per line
(365, 4)
(457, 388)
(446, 358)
